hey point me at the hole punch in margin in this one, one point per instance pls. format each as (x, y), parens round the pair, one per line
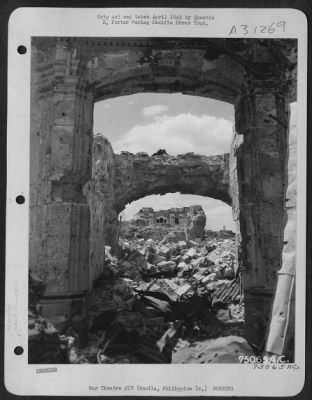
(18, 350)
(20, 199)
(21, 49)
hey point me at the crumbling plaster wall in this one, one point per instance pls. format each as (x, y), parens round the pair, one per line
(258, 184)
(100, 195)
(70, 167)
(60, 138)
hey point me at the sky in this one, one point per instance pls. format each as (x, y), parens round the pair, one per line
(177, 123)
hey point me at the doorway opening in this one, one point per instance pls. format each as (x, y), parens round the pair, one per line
(161, 150)
(176, 240)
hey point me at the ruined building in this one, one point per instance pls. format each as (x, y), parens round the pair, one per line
(74, 203)
(176, 217)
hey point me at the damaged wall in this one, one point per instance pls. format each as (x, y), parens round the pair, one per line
(138, 175)
(282, 326)
(100, 195)
(70, 74)
(119, 179)
(60, 139)
(261, 152)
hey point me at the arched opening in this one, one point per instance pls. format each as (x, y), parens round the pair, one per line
(218, 214)
(163, 245)
(165, 143)
(191, 266)
(74, 211)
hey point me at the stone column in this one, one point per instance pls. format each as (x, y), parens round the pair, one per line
(100, 194)
(61, 136)
(172, 219)
(151, 219)
(261, 118)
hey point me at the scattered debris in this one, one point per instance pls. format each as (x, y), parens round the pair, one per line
(221, 350)
(160, 301)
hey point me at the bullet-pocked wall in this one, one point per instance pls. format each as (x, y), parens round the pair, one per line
(70, 74)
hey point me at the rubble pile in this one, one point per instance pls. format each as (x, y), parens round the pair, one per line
(131, 230)
(44, 345)
(158, 299)
(157, 302)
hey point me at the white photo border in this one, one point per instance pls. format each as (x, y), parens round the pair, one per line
(22, 378)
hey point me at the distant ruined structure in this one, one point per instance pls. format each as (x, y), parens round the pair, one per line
(175, 217)
(189, 221)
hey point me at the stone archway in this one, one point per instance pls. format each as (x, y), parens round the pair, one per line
(70, 74)
(119, 179)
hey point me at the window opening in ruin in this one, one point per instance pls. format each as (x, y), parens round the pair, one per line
(160, 220)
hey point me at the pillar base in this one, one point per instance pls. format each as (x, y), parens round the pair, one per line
(258, 305)
(65, 310)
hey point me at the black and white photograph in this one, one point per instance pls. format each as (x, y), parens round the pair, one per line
(162, 199)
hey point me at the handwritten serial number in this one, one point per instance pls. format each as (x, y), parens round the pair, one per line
(244, 29)
(292, 367)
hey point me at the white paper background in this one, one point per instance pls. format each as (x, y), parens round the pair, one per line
(21, 378)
